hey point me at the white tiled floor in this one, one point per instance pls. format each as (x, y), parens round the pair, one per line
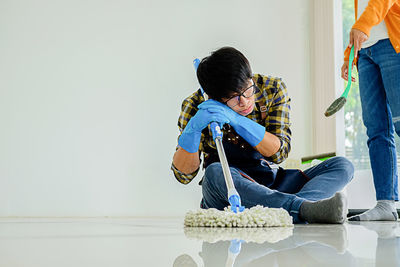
(164, 242)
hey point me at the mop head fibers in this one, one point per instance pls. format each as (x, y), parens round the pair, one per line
(257, 216)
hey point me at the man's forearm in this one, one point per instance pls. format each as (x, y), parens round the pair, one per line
(186, 162)
(269, 145)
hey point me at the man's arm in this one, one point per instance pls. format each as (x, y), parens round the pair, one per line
(276, 142)
(191, 122)
(269, 145)
(185, 162)
(185, 165)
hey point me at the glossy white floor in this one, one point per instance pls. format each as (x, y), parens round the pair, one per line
(164, 242)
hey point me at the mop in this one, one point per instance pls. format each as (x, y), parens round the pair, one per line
(257, 216)
(339, 103)
(235, 215)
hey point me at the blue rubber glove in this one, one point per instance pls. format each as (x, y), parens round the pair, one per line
(191, 135)
(250, 130)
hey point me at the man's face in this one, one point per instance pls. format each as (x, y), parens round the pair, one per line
(242, 103)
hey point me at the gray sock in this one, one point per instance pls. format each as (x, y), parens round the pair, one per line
(330, 210)
(385, 210)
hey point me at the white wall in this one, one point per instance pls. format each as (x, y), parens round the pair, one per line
(90, 93)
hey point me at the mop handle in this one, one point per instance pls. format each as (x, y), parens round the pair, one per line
(214, 126)
(217, 135)
(224, 163)
(350, 68)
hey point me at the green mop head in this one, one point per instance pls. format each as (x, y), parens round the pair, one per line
(257, 216)
(335, 106)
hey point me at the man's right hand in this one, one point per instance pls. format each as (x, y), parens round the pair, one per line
(191, 135)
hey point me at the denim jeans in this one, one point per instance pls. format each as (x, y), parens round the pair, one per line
(379, 78)
(327, 178)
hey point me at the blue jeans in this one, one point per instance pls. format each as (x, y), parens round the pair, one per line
(379, 77)
(327, 178)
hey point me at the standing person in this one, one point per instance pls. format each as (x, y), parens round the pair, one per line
(376, 39)
(256, 137)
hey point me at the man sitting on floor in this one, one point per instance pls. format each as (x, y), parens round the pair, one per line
(255, 112)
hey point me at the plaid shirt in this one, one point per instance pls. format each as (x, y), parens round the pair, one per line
(271, 97)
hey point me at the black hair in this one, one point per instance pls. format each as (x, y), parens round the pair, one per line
(224, 72)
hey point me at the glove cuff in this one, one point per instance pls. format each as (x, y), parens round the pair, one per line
(190, 141)
(250, 130)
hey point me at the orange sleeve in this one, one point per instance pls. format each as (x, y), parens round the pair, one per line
(373, 14)
(347, 55)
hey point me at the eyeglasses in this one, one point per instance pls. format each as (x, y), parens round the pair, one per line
(247, 93)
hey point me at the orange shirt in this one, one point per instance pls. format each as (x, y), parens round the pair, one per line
(374, 13)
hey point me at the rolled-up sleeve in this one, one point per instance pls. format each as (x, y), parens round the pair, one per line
(278, 121)
(182, 177)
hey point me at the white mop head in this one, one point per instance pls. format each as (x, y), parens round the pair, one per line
(256, 235)
(257, 216)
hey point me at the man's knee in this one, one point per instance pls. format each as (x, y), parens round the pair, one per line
(345, 165)
(213, 174)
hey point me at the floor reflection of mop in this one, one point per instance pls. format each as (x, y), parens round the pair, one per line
(233, 251)
(254, 235)
(237, 236)
(303, 245)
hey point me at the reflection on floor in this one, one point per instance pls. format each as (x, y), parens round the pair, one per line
(165, 242)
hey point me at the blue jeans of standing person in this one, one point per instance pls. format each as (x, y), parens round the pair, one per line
(379, 78)
(326, 179)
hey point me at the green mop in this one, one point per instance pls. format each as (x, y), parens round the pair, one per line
(339, 103)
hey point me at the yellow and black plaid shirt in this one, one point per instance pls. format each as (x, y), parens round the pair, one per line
(271, 98)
